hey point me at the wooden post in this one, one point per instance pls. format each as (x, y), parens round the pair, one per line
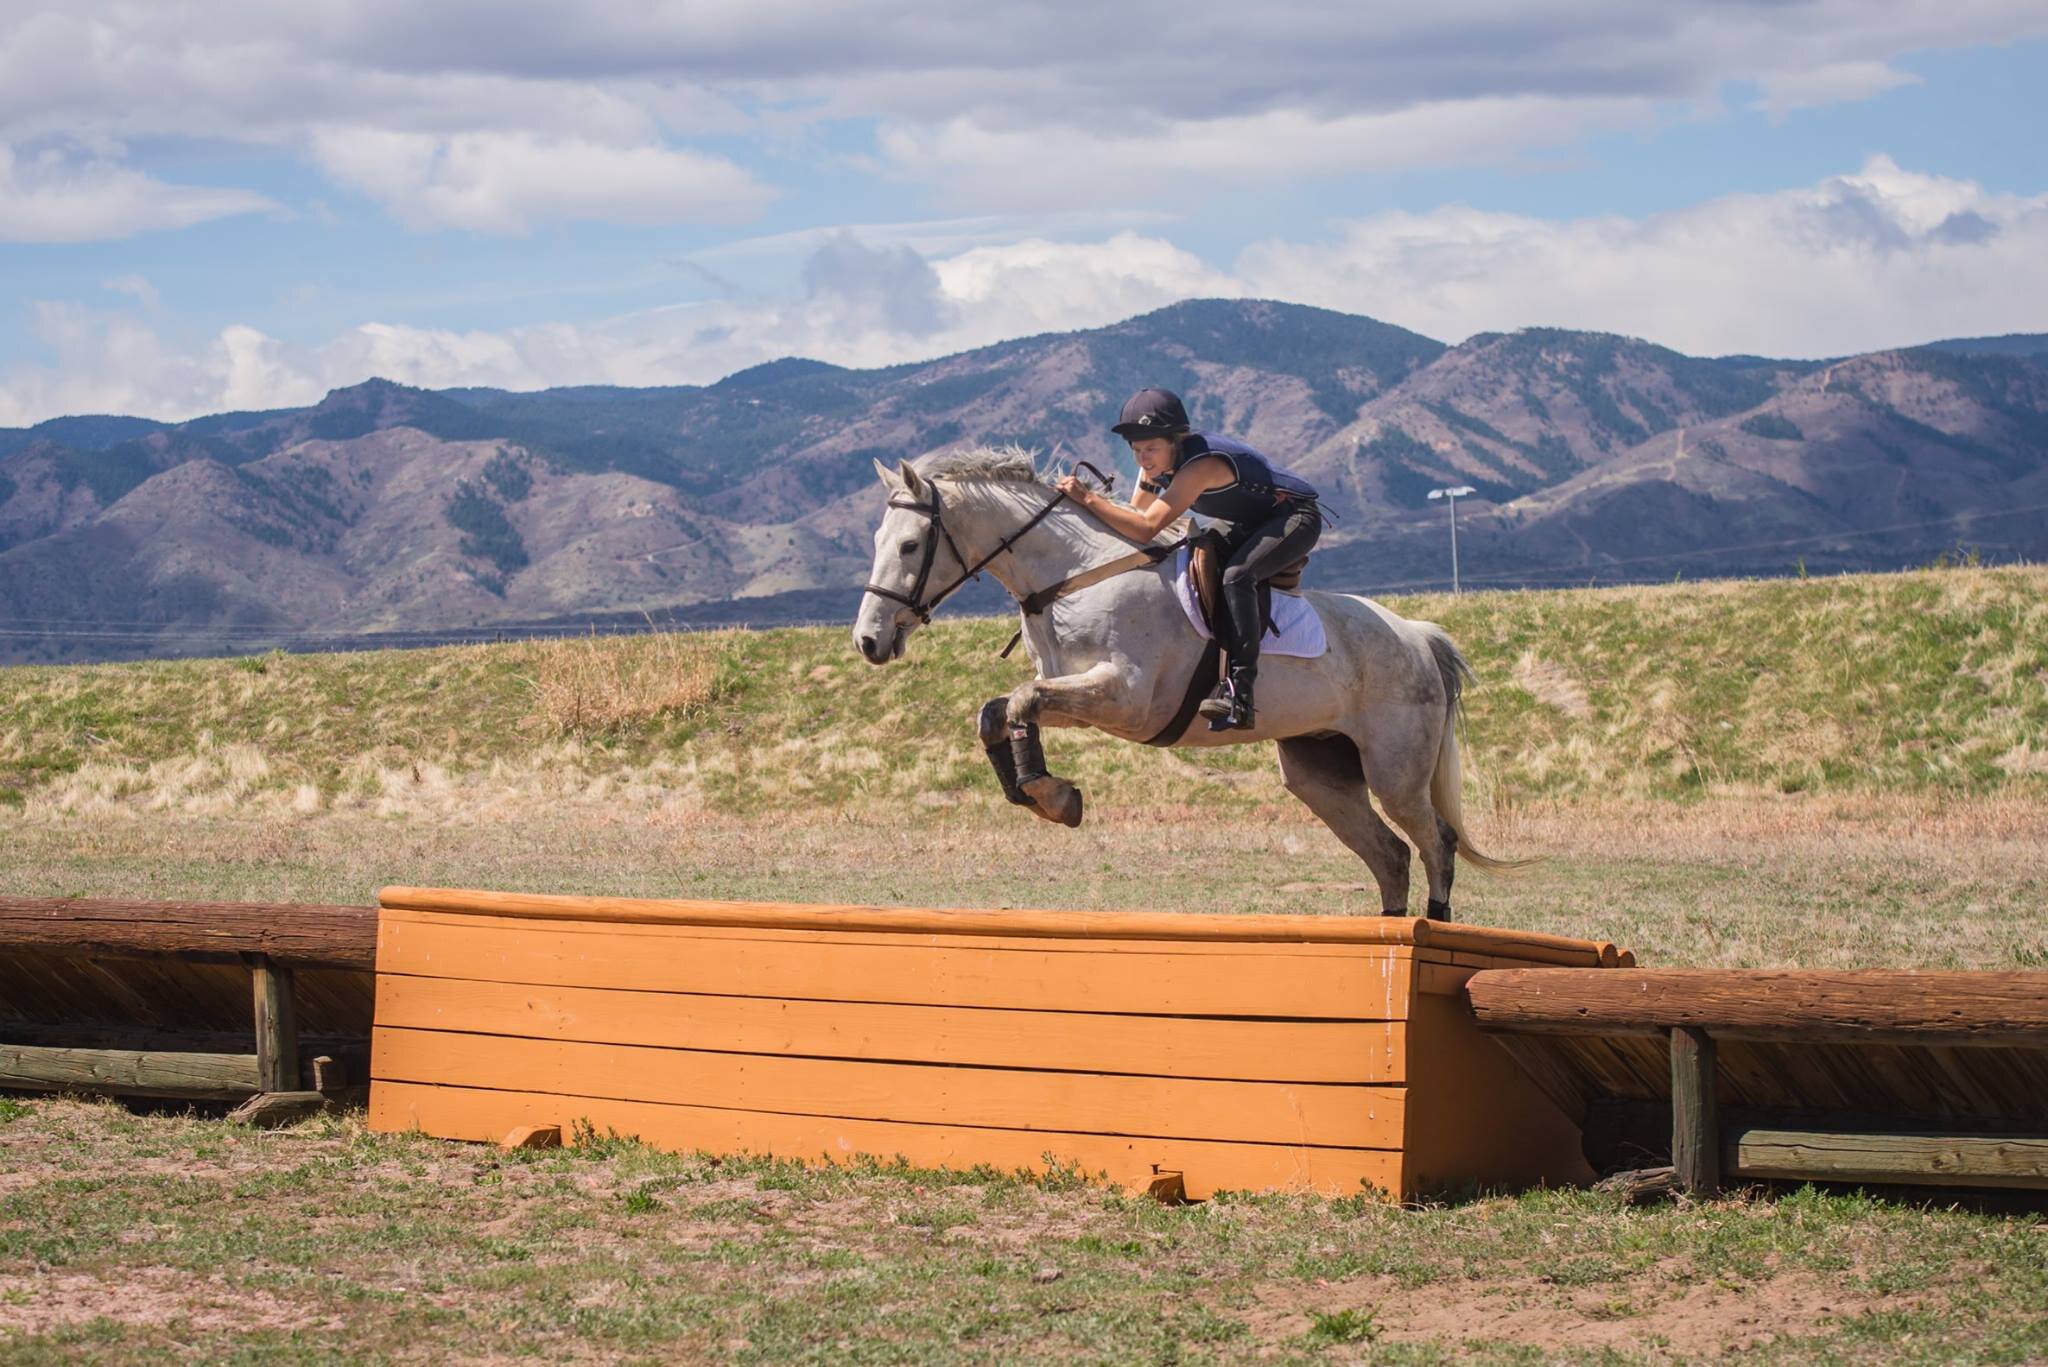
(277, 1028)
(1695, 1123)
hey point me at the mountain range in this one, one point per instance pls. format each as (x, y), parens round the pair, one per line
(400, 513)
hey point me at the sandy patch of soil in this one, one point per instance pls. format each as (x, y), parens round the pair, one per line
(1695, 1320)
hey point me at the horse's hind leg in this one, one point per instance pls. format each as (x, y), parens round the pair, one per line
(1399, 772)
(1325, 773)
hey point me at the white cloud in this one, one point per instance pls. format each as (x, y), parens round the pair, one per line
(505, 182)
(1883, 257)
(1176, 163)
(53, 198)
(600, 110)
(138, 287)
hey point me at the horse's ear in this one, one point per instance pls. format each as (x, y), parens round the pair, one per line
(887, 475)
(912, 483)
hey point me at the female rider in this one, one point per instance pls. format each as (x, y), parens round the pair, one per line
(1271, 518)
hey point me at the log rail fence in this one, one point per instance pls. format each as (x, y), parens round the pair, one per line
(1877, 1076)
(267, 1004)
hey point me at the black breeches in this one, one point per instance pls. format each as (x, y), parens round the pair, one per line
(1257, 554)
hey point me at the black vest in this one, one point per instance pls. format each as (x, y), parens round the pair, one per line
(1262, 492)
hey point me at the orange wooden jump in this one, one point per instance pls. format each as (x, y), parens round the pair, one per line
(1240, 1052)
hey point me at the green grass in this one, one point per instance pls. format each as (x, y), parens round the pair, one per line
(1934, 681)
(135, 1236)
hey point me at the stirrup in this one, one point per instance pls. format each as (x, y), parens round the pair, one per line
(1229, 708)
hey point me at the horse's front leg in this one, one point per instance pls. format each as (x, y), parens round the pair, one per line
(1071, 700)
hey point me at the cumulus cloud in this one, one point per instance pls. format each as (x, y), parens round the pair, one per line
(1039, 103)
(863, 305)
(50, 197)
(504, 182)
(1883, 257)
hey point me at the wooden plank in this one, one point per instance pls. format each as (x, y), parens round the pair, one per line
(1861, 1006)
(277, 1028)
(995, 1098)
(1043, 944)
(291, 933)
(1924, 1157)
(129, 1072)
(1695, 1114)
(1175, 1046)
(1295, 982)
(1442, 980)
(1132, 1163)
(1183, 927)
(1473, 1117)
(1542, 1063)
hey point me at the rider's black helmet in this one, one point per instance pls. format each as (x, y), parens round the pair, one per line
(1151, 413)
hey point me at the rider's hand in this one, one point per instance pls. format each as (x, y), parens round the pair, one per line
(1073, 488)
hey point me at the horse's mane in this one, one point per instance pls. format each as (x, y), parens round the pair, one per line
(1009, 465)
(999, 464)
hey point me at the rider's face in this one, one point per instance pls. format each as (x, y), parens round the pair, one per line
(1155, 454)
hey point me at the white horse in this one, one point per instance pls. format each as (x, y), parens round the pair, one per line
(1375, 713)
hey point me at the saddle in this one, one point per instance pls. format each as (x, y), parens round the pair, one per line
(1208, 552)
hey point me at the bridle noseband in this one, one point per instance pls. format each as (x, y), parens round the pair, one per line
(935, 510)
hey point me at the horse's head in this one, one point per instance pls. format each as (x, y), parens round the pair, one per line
(914, 559)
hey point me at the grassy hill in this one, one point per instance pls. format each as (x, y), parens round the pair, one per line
(1931, 681)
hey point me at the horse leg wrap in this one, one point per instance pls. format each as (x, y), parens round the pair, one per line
(1027, 753)
(1055, 799)
(1439, 911)
(994, 725)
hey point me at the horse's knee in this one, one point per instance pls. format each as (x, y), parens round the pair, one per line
(1024, 704)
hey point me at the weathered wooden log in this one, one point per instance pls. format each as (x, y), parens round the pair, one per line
(1695, 1115)
(127, 1072)
(277, 1025)
(1862, 1006)
(1641, 1186)
(292, 934)
(1925, 1157)
(271, 1109)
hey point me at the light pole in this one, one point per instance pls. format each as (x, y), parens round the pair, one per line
(1452, 496)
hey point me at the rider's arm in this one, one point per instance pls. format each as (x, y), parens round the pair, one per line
(1143, 521)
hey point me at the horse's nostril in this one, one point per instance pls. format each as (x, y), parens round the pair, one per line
(867, 646)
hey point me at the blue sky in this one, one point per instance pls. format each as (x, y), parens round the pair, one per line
(239, 205)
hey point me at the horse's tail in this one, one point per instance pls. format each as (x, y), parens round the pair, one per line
(1446, 784)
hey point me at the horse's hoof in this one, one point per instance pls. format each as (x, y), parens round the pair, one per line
(1396, 911)
(1055, 799)
(1439, 911)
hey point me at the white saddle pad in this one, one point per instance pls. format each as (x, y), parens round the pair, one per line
(1300, 628)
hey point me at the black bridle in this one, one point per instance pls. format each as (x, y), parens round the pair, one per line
(935, 510)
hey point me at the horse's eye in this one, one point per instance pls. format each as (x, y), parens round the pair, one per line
(910, 548)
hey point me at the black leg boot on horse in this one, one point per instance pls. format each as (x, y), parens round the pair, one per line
(994, 725)
(1055, 799)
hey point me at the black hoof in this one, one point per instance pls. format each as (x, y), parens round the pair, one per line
(1399, 911)
(1439, 911)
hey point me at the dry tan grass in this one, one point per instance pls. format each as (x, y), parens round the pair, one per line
(596, 685)
(1766, 881)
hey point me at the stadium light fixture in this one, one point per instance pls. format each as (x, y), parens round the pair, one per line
(1451, 496)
